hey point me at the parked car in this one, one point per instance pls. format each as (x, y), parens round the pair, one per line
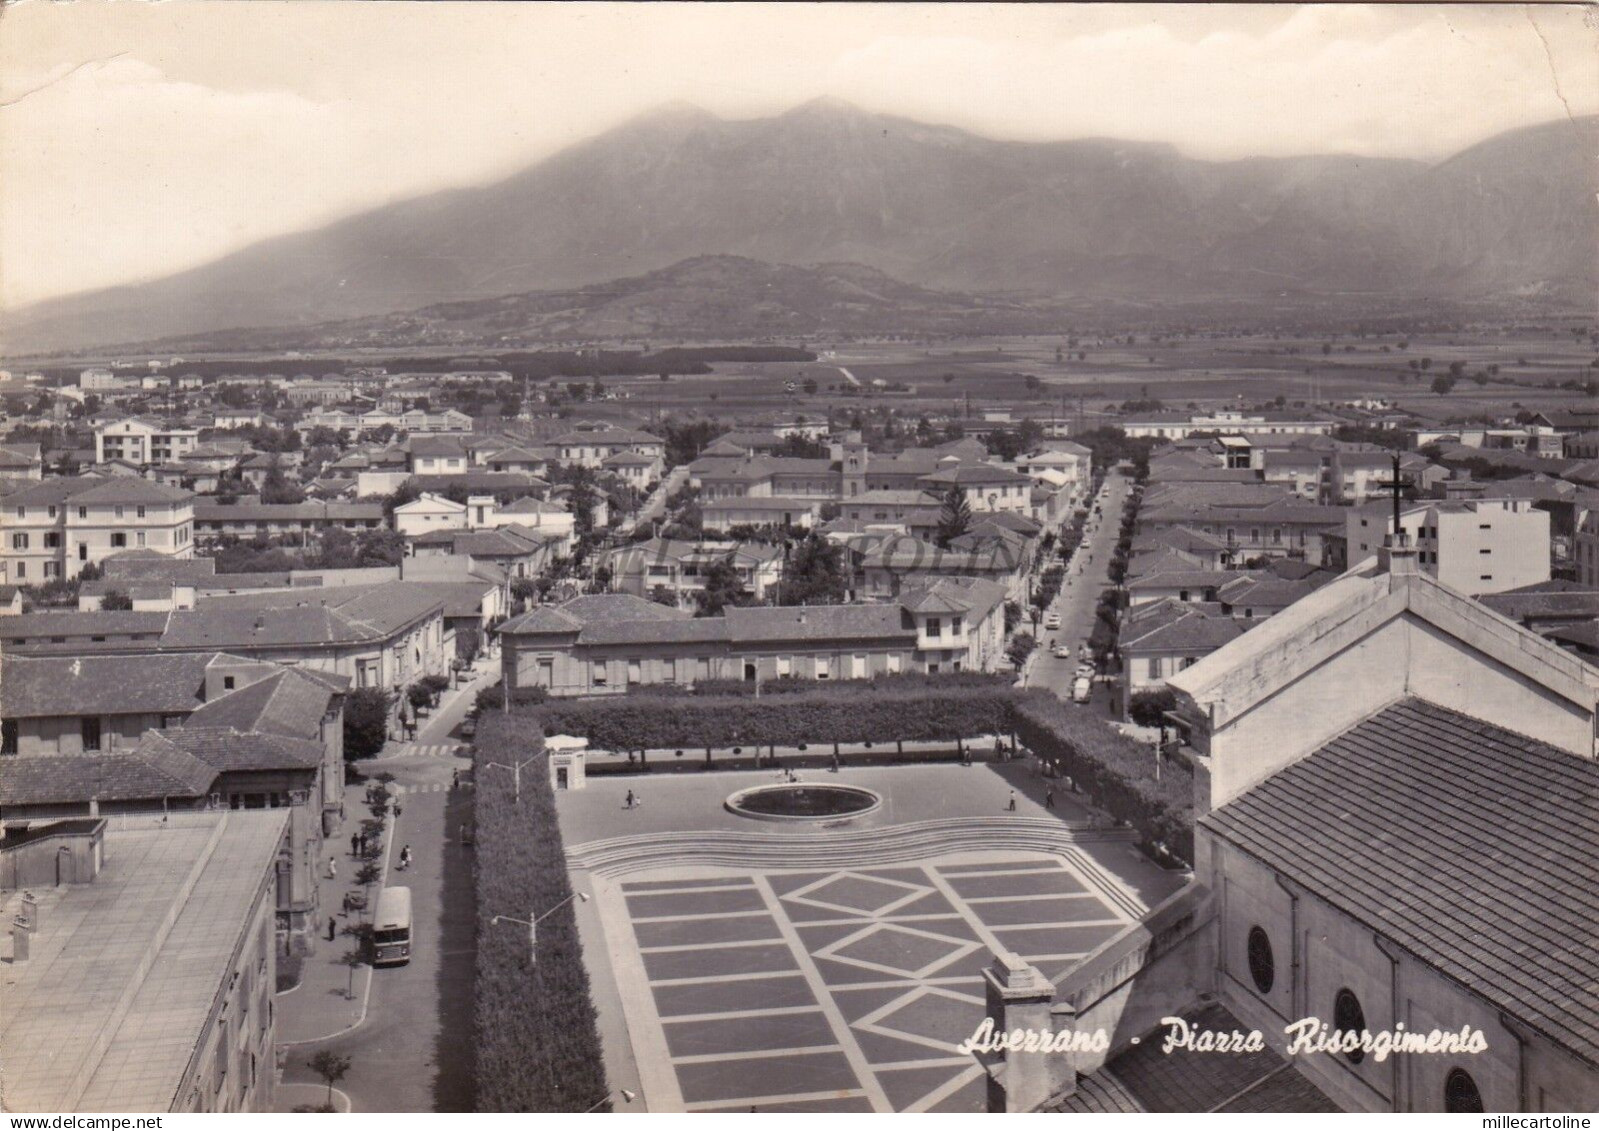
(1052, 621)
(1062, 652)
(469, 727)
(1082, 689)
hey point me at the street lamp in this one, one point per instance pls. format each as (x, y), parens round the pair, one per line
(516, 771)
(627, 1097)
(532, 925)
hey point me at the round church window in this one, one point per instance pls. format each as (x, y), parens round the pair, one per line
(1348, 1017)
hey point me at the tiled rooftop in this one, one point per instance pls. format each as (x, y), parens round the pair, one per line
(1463, 842)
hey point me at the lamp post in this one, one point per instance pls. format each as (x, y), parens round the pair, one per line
(532, 925)
(516, 771)
(627, 1097)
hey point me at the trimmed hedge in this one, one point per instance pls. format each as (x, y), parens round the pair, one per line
(538, 1047)
(863, 713)
(1116, 772)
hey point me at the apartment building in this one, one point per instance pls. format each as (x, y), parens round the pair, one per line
(1473, 546)
(159, 948)
(141, 440)
(608, 643)
(679, 568)
(55, 527)
(592, 449)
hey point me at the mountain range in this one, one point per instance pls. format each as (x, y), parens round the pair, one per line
(875, 199)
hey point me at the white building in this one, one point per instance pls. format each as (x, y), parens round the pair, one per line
(53, 528)
(1227, 422)
(141, 440)
(1477, 546)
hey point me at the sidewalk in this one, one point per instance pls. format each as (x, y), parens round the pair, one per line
(318, 1007)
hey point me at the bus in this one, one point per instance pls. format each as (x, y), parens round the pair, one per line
(391, 928)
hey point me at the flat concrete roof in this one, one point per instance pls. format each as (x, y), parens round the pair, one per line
(108, 1011)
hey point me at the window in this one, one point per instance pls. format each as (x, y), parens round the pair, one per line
(635, 672)
(1348, 1017)
(601, 676)
(1262, 964)
(824, 667)
(118, 540)
(83, 551)
(141, 537)
(119, 511)
(22, 512)
(8, 736)
(704, 667)
(140, 512)
(90, 729)
(83, 512)
(785, 665)
(52, 540)
(954, 626)
(19, 541)
(22, 570)
(893, 663)
(935, 627)
(1460, 1092)
(227, 683)
(51, 569)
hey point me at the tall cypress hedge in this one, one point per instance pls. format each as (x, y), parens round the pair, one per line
(1116, 772)
(538, 1048)
(912, 714)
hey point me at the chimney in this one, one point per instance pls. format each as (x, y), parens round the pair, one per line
(1397, 557)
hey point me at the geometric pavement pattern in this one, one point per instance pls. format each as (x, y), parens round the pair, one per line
(844, 990)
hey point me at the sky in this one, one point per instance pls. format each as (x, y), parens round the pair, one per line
(138, 139)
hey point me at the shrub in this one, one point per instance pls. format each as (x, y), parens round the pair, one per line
(538, 1047)
(493, 698)
(875, 712)
(1148, 708)
(1115, 771)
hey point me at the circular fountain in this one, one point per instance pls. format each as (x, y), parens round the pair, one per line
(805, 801)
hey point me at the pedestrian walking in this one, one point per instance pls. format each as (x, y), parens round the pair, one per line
(1010, 806)
(333, 929)
(405, 858)
(628, 803)
(1049, 797)
(355, 844)
(333, 868)
(835, 763)
(397, 810)
(455, 779)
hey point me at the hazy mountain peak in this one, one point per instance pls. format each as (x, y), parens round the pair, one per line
(828, 182)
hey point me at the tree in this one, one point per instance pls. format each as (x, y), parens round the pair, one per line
(1021, 646)
(115, 600)
(366, 722)
(956, 516)
(722, 588)
(330, 1066)
(1442, 383)
(352, 960)
(815, 573)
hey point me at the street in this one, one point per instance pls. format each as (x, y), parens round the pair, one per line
(1080, 591)
(411, 1049)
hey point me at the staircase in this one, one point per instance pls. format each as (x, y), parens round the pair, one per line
(862, 848)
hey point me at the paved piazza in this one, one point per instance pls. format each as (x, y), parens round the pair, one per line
(842, 990)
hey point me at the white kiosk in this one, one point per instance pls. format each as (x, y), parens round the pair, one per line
(568, 754)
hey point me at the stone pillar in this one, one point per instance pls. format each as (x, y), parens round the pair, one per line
(1019, 998)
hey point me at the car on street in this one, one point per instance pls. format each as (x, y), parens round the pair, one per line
(1082, 689)
(1062, 652)
(1052, 621)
